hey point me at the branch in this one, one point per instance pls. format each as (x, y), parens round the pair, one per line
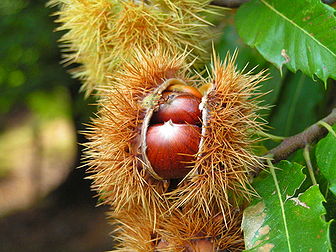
(228, 3)
(328, 1)
(237, 3)
(291, 144)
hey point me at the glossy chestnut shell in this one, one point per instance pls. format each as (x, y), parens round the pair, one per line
(179, 88)
(179, 108)
(171, 148)
(171, 130)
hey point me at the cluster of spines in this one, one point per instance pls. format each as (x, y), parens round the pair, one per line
(86, 23)
(224, 160)
(113, 137)
(101, 34)
(176, 232)
(119, 46)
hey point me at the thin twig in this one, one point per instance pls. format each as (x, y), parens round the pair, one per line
(237, 3)
(328, 1)
(291, 144)
(328, 127)
(228, 3)
(306, 156)
(270, 136)
(313, 133)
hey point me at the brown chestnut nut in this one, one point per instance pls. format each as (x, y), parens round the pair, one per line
(200, 245)
(171, 148)
(178, 107)
(181, 88)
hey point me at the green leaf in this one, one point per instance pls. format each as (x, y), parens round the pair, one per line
(300, 100)
(230, 41)
(298, 34)
(247, 56)
(331, 215)
(326, 159)
(280, 220)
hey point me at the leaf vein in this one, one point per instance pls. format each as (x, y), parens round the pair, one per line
(281, 203)
(296, 25)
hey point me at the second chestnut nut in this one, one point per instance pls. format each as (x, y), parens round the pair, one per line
(179, 108)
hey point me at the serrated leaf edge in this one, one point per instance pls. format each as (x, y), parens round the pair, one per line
(299, 27)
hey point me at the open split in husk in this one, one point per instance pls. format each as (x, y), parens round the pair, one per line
(217, 185)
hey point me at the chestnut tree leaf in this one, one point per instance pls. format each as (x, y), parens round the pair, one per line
(299, 108)
(326, 159)
(280, 220)
(249, 58)
(298, 34)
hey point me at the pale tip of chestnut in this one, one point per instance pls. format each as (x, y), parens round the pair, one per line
(171, 148)
(168, 130)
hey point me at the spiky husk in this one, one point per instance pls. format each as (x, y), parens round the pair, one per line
(135, 231)
(87, 23)
(220, 180)
(185, 229)
(112, 150)
(176, 231)
(102, 33)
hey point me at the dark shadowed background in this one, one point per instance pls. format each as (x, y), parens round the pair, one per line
(45, 203)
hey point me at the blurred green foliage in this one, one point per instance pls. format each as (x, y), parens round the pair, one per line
(30, 73)
(10, 7)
